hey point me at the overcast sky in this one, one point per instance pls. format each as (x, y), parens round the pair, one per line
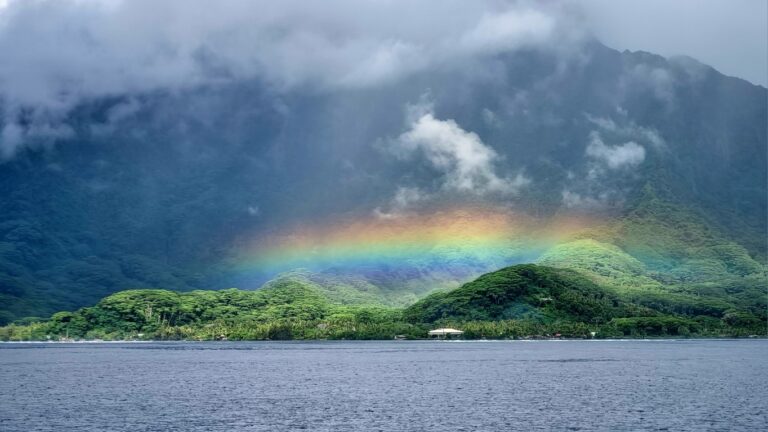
(731, 35)
(57, 52)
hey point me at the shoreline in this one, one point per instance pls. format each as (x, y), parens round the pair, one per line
(105, 342)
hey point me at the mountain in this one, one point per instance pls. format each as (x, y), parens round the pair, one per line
(645, 174)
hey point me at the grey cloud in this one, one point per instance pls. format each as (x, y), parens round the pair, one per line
(115, 115)
(574, 200)
(57, 53)
(56, 50)
(405, 199)
(628, 130)
(619, 156)
(37, 132)
(11, 138)
(657, 81)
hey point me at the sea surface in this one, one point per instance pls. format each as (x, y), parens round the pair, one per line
(658, 385)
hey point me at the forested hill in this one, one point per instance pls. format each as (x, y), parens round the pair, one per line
(515, 302)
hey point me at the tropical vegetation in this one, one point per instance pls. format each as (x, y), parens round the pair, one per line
(521, 301)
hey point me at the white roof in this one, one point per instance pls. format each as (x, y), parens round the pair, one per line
(445, 331)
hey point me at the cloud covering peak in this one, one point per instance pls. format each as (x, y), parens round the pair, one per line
(54, 50)
(59, 53)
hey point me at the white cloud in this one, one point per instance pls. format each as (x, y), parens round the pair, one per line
(578, 201)
(388, 62)
(629, 130)
(509, 30)
(467, 164)
(613, 151)
(405, 198)
(625, 155)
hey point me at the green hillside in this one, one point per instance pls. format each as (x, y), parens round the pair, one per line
(660, 269)
(519, 301)
(282, 310)
(667, 257)
(525, 292)
(497, 303)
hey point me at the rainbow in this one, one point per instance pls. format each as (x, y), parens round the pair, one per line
(474, 237)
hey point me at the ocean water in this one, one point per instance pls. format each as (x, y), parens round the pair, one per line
(690, 385)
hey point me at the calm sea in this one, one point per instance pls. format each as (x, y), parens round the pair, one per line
(691, 385)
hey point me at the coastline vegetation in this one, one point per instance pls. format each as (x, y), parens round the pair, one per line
(523, 301)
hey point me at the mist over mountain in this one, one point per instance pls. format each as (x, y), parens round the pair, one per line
(180, 150)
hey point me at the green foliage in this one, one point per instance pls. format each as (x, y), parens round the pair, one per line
(523, 292)
(679, 244)
(285, 309)
(667, 258)
(604, 262)
(338, 289)
(515, 302)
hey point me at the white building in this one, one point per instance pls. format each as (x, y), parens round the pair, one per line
(443, 333)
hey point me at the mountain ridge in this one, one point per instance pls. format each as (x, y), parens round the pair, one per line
(158, 197)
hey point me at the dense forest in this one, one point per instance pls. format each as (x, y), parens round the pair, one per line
(523, 301)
